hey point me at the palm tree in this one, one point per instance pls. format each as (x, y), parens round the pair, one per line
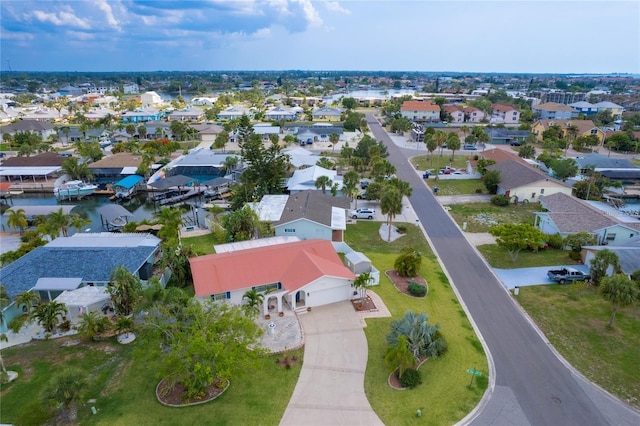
(48, 315)
(334, 138)
(322, 183)
(422, 338)
(453, 143)
(17, 219)
(440, 138)
(28, 299)
(361, 283)
(79, 222)
(464, 130)
(5, 300)
(171, 220)
(76, 169)
(92, 323)
(124, 325)
(230, 163)
(64, 390)
(572, 131)
(400, 356)
(620, 291)
(431, 145)
(60, 220)
(254, 300)
(391, 205)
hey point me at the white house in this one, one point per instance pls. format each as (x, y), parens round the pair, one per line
(150, 99)
(296, 275)
(305, 179)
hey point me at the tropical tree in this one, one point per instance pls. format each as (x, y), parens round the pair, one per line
(196, 344)
(17, 219)
(60, 220)
(422, 338)
(221, 140)
(171, 220)
(48, 315)
(325, 163)
(491, 180)
(241, 225)
(76, 169)
(125, 290)
(254, 300)
(578, 240)
(64, 391)
(230, 163)
(516, 237)
(408, 263)
(440, 137)
(564, 168)
(431, 143)
(322, 182)
(142, 131)
(361, 283)
(453, 143)
(334, 138)
(390, 205)
(92, 323)
(3, 370)
(177, 260)
(527, 151)
(28, 299)
(601, 262)
(382, 168)
(400, 356)
(124, 325)
(620, 291)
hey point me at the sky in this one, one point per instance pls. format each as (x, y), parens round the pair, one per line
(370, 35)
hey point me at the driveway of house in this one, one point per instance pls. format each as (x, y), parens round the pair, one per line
(521, 277)
(330, 389)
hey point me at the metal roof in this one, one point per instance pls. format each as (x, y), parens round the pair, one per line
(129, 182)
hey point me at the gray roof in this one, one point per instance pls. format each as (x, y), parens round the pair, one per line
(498, 133)
(92, 264)
(109, 212)
(514, 174)
(312, 205)
(26, 126)
(629, 257)
(600, 161)
(172, 181)
(571, 215)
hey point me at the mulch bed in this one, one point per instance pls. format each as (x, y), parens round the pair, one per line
(402, 283)
(366, 305)
(394, 382)
(176, 395)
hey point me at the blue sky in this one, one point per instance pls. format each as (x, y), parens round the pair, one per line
(372, 35)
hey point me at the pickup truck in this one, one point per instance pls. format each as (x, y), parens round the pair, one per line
(566, 275)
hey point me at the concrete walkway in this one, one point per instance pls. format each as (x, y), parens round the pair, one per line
(330, 389)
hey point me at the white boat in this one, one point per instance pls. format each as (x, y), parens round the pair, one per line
(74, 189)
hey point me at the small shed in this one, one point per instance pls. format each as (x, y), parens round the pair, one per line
(357, 262)
(85, 299)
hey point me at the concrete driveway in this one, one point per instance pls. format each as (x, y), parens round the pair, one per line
(330, 389)
(521, 277)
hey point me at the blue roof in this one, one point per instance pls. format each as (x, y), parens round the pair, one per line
(92, 264)
(129, 182)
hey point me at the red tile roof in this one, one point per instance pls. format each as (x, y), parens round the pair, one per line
(452, 108)
(502, 108)
(292, 264)
(419, 106)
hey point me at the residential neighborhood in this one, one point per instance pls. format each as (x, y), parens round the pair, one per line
(289, 214)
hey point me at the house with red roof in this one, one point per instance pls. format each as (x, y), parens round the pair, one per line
(294, 275)
(506, 114)
(456, 113)
(420, 111)
(473, 114)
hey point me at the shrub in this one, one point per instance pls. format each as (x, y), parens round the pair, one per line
(417, 289)
(410, 379)
(575, 256)
(555, 241)
(402, 229)
(500, 200)
(478, 190)
(408, 263)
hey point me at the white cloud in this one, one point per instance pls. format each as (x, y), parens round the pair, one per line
(310, 12)
(106, 8)
(8, 35)
(334, 6)
(79, 35)
(61, 19)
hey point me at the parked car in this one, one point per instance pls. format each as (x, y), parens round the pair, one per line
(364, 184)
(362, 195)
(567, 275)
(515, 143)
(363, 213)
(470, 147)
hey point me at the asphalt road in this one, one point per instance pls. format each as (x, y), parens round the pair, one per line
(533, 385)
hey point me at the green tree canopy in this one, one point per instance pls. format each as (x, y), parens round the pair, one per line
(601, 262)
(620, 291)
(564, 168)
(491, 180)
(515, 237)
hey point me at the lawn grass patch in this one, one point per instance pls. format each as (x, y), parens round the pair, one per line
(498, 257)
(457, 186)
(124, 388)
(202, 244)
(481, 216)
(444, 396)
(574, 319)
(435, 161)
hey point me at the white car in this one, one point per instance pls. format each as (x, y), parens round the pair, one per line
(363, 213)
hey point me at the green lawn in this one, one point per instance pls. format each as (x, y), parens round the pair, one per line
(457, 187)
(481, 216)
(202, 244)
(124, 388)
(444, 396)
(5, 147)
(435, 161)
(498, 257)
(574, 319)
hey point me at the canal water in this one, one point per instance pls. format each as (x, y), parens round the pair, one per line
(139, 206)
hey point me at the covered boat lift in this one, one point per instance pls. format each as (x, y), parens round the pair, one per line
(113, 216)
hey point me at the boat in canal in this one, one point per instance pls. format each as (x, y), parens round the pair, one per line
(74, 189)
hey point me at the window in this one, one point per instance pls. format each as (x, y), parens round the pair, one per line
(221, 296)
(610, 237)
(541, 191)
(533, 195)
(289, 230)
(594, 131)
(264, 288)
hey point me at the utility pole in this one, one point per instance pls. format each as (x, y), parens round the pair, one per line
(9, 65)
